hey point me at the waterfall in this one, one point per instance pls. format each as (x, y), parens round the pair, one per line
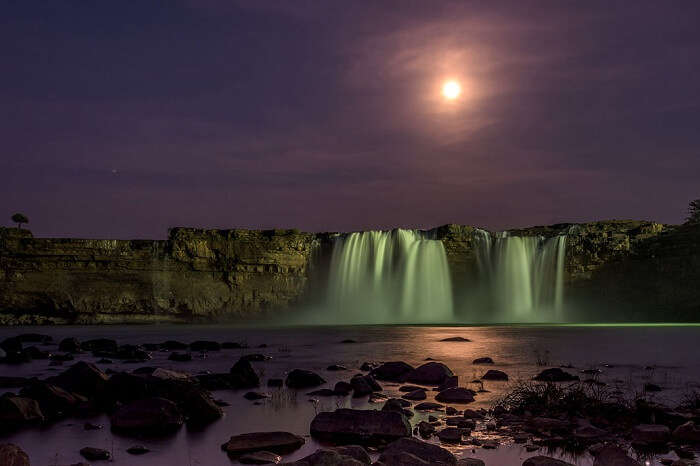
(525, 275)
(389, 276)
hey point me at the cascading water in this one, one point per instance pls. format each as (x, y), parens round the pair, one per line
(525, 275)
(388, 277)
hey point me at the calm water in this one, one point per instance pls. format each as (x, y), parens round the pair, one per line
(666, 356)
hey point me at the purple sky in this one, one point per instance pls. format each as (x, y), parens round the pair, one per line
(122, 118)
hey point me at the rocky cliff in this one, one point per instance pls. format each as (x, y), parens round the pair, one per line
(640, 270)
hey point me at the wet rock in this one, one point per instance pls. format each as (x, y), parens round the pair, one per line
(425, 429)
(363, 385)
(104, 345)
(54, 401)
(336, 367)
(430, 453)
(242, 375)
(410, 388)
(687, 433)
(456, 339)
(431, 373)
(137, 450)
(16, 411)
(95, 454)
(83, 378)
(180, 357)
(172, 345)
(429, 406)
(260, 457)
(150, 416)
(255, 396)
(280, 443)
(415, 395)
(205, 345)
(449, 382)
(342, 388)
(299, 378)
(455, 395)
(365, 427)
(494, 375)
(473, 414)
(450, 435)
(394, 371)
(555, 374)
(651, 434)
(611, 455)
(12, 455)
(450, 411)
(199, 407)
(545, 461)
(356, 452)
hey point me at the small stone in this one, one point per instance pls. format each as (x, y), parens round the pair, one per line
(95, 454)
(137, 450)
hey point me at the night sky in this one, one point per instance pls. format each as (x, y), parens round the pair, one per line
(123, 118)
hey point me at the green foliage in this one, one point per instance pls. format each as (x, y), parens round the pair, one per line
(694, 212)
(19, 219)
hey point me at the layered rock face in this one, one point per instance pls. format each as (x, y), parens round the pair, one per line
(194, 275)
(638, 270)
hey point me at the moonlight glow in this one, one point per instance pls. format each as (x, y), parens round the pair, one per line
(451, 90)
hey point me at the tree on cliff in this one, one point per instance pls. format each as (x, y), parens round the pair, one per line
(19, 219)
(694, 212)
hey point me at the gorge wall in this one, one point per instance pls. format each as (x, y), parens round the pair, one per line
(614, 270)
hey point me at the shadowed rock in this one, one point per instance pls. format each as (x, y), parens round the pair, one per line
(428, 452)
(431, 373)
(483, 361)
(364, 427)
(456, 339)
(12, 455)
(83, 378)
(545, 461)
(687, 433)
(243, 375)
(415, 395)
(494, 375)
(275, 442)
(612, 455)
(455, 395)
(299, 378)
(555, 374)
(260, 457)
(16, 412)
(95, 454)
(150, 416)
(394, 371)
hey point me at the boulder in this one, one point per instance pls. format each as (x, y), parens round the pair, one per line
(12, 455)
(493, 374)
(612, 455)
(455, 395)
(299, 378)
(485, 360)
(687, 433)
(54, 401)
(415, 395)
(95, 454)
(555, 374)
(652, 434)
(430, 406)
(260, 457)
(17, 411)
(394, 371)
(363, 385)
(280, 443)
(450, 435)
(427, 452)
(83, 378)
(364, 427)
(545, 461)
(242, 375)
(342, 388)
(150, 416)
(431, 373)
(449, 382)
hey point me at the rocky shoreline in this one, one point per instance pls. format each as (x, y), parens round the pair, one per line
(559, 410)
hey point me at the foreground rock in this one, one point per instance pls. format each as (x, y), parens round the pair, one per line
(545, 461)
(400, 452)
(432, 373)
(611, 455)
(12, 455)
(151, 416)
(275, 442)
(364, 427)
(455, 395)
(17, 412)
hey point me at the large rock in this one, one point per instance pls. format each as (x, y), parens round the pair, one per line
(545, 461)
(363, 385)
(455, 395)
(428, 452)
(275, 442)
(687, 433)
(243, 375)
(394, 371)
(54, 401)
(150, 416)
(652, 434)
(12, 455)
(83, 378)
(555, 374)
(364, 427)
(494, 374)
(299, 378)
(69, 345)
(16, 411)
(432, 373)
(612, 455)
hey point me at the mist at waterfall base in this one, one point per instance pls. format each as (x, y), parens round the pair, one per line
(403, 277)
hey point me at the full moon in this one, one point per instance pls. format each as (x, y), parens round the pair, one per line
(451, 90)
